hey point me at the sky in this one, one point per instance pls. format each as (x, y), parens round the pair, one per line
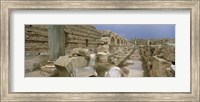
(145, 31)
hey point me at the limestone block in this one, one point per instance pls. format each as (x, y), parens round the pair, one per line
(47, 74)
(113, 60)
(62, 61)
(80, 52)
(84, 52)
(103, 57)
(101, 68)
(69, 66)
(159, 67)
(92, 60)
(113, 49)
(169, 53)
(36, 73)
(75, 51)
(86, 72)
(170, 72)
(60, 64)
(103, 48)
(49, 68)
(148, 51)
(77, 62)
(105, 40)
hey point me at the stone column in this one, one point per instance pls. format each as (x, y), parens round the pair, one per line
(135, 42)
(56, 41)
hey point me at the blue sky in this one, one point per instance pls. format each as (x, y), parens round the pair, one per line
(151, 31)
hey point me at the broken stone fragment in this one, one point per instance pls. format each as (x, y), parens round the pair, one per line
(60, 64)
(92, 60)
(62, 60)
(81, 52)
(103, 57)
(157, 50)
(113, 60)
(50, 69)
(169, 52)
(67, 66)
(105, 40)
(101, 68)
(170, 72)
(77, 62)
(86, 72)
(75, 51)
(159, 66)
(103, 48)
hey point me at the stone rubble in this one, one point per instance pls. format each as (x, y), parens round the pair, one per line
(159, 59)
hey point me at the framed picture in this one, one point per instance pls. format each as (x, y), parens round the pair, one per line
(100, 50)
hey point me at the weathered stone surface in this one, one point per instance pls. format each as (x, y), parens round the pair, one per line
(78, 62)
(152, 41)
(159, 66)
(47, 74)
(157, 50)
(105, 40)
(36, 73)
(113, 49)
(64, 63)
(171, 71)
(169, 53)
(119, 50)
(86, 72)
(34, 62)
(81, 52)
(84, 52)
(39, 73)
(113, 60)
(103, 57)
(50, 69)
(153, 55)
(92, 60)
(75, 51)
(101, 68)
(103, 48)
(82, 36)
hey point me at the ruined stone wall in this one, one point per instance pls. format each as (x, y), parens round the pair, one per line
(81, 36)
(36, 38)
(159, 59)
(114, 38)
(153, 41)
